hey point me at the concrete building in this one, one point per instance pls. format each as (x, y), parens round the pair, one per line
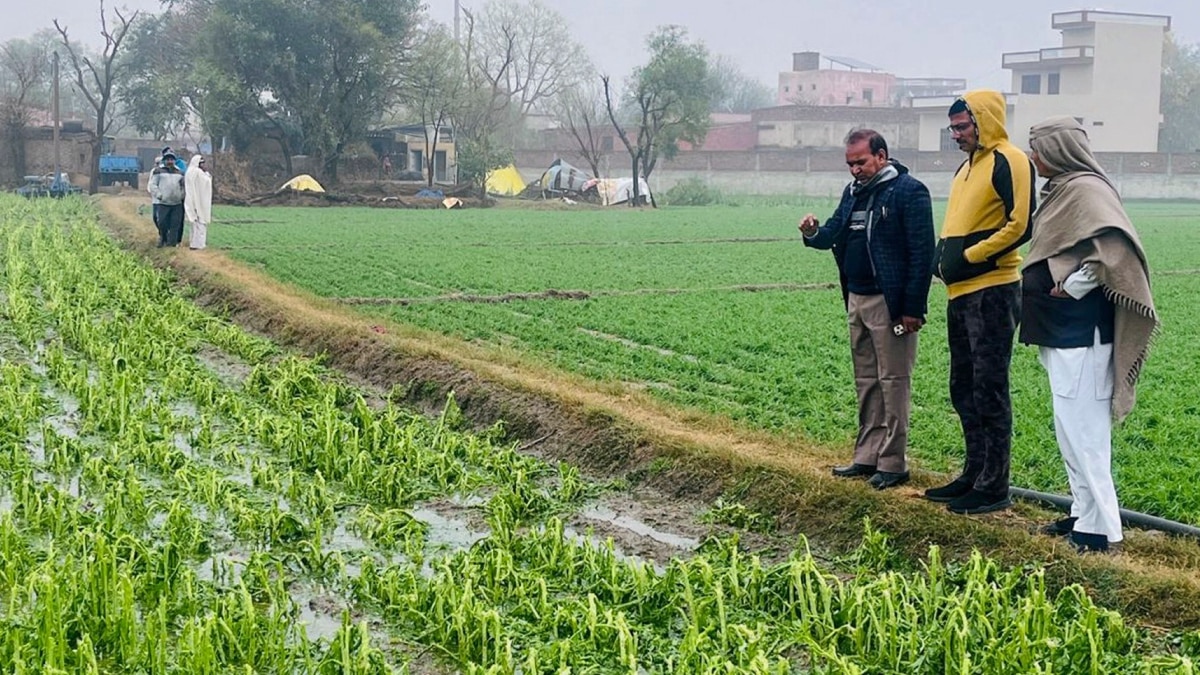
(834, 81)
(1107, 72)
(808, 126)
(908, 88)
(933, 126)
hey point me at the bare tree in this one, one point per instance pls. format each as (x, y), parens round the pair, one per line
(485, 108)
(96, 77)
(23, 67)
(580, 110)
(525, 50)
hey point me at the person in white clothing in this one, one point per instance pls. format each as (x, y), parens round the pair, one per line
(1086, 304)
(198, 204)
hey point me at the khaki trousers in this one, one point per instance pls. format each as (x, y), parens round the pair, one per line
(883, 364)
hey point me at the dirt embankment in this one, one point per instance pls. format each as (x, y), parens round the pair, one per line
(613, 431)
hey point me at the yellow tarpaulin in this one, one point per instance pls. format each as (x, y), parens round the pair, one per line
(303, 182)
(506, 182)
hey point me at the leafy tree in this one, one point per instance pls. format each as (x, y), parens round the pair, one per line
(671, 96)
(323, 68)
(96, 77)
(161, 89)
(734, 91)
(1180, 100)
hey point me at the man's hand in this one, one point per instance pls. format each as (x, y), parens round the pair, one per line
(1057, 292)
(809, 224)
(911, 323)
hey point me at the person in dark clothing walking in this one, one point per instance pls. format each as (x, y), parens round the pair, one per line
(988, 217)
(166, 188)
(882, 240)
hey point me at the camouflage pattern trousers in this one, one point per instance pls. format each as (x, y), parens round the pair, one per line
(981, 326)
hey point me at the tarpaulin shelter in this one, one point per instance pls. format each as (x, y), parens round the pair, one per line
(620, 190)
(302, 183)
(506, 182)
(562, 178)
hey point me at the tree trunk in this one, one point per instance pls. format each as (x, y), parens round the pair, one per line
(634, 201)
(285, 149)
(431, 157)
(14, 135)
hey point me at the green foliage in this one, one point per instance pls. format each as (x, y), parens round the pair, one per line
(179, 519)
(476, 159)
(692, 192)
(327, 69)
(672, 93)
(736, 514)
(669, 313)
(161, 84)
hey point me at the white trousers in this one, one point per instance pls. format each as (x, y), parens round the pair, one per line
(1081, 380)
(199, 237)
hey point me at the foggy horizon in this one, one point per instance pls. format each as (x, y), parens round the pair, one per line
(936, 38)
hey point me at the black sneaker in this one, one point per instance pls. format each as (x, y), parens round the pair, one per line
(1089, 543)
(886, 479)
(1063, 527)
(953, 490)
(854, 471)
(975, 502)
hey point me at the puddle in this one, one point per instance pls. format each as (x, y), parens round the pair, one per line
(230, 370)
(321, 616)
(446, 533)
(641, 528)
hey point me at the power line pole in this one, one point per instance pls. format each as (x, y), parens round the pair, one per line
(57, 120)
(457, 11)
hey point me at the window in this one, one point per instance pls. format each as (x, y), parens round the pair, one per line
(1031, 84)
(1052, 81)
(868, 95)
(606, 143)
(785, 89)
(1097, 123)
(812, 87)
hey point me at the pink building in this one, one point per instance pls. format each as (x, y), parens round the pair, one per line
(833, 81)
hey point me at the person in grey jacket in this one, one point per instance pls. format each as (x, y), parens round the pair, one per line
(166, 188)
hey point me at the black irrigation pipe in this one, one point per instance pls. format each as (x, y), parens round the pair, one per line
(1131, 518)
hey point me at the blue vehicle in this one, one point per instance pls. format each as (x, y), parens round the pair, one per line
(116, 169)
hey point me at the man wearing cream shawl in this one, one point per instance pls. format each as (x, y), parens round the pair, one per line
(198, 204)
(1086, 304)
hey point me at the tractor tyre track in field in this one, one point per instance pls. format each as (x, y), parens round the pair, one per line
(683, 457)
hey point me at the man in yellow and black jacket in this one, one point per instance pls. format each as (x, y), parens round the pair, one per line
(988, 217)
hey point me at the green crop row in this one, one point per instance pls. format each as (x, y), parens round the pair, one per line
(158, 515)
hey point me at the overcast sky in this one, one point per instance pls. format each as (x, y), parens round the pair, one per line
(943, 38)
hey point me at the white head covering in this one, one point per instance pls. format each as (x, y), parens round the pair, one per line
(198, 184)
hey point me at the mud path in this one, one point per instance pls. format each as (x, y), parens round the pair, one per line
(680, 460)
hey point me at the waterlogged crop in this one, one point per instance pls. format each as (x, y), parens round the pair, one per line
(161, 515)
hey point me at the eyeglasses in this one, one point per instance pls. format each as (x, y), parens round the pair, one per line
(961, 127)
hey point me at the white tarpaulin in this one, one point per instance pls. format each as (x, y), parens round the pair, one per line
(620, 190)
